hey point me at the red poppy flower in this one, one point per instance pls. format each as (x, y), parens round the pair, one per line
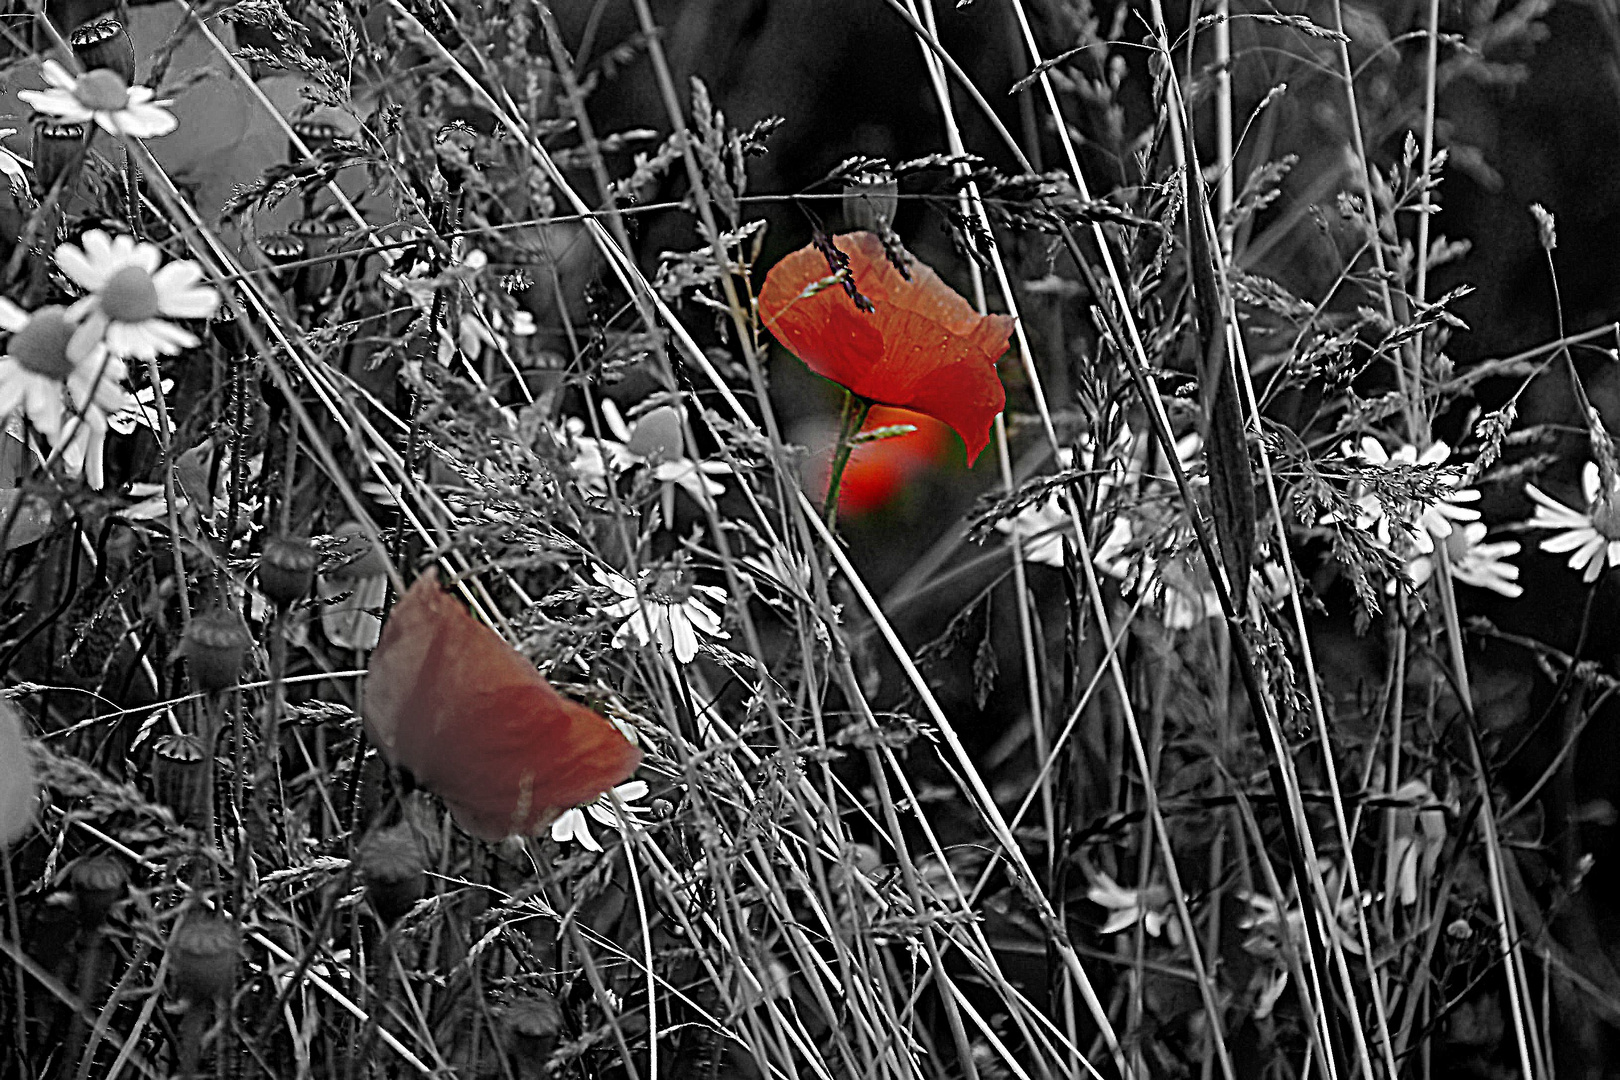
(878, 471)
(478, 726)
(922, 347)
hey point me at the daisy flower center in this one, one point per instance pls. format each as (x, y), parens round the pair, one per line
(1457, 546)
(669, 586)
(1606, 515)
(101, 91)
(129, 295)
(41, 345)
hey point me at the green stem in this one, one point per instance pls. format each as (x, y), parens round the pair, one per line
(855, 410)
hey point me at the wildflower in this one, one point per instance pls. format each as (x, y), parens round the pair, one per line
(1041, 525)
(473, 721)
(1127, 907)
(654, 440)
(1272, 927)
(104, 97)
(1593, 537)
(572, 826)
(1179, 585)
(12, 165)
(1420, 836)
(782, 570)
(129, 293)
(1423, 522)
(353, 591)
(1473, 562)
(921, 346)
(669, 612)
(39, 364)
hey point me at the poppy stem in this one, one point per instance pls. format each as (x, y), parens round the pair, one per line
(855, 410)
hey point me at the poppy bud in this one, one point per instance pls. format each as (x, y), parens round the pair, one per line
(287, 569)
(183, 779)
(532, 1025)
(225, 331)
(215, 646)
(283, 249)
(870, 201)
(98, 884)
(59, 148)
(391, 866)
(105, 44)
(315, 134)
(202, 957)
(657, 435)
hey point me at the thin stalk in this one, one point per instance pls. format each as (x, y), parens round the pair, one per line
(849, 425)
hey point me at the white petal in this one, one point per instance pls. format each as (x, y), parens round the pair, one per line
(77, 264)
(12, 317)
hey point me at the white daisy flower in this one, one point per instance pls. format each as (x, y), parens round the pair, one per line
(1421, 523)
(39, 365)
(1127, 907)
(655, 440)
(101, 96)
(1179, 587)
(1593, 537)
(1041, 525)
(34, 372)
(1473, 562)
(669, 612)
(572, 826)
(129, 295)
(11, 165)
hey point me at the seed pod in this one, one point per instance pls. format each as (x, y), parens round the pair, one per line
(870, 202)
(105, 44)
(98, 883)
(287, 569)
(315, 134)
(59, 148)
(391, 866)
(215, 646)
(184, 779)
(202, 957)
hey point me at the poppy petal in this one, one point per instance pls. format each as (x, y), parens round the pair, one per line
(923, 346)
(477, 725)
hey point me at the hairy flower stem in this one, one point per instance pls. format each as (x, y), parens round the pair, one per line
(855, 410)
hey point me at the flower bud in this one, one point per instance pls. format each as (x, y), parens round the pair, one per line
(98, 883)
(59, 148)
(870, 201)
(183, 779)
(105, 44)
(287, 569)
(283, 249)
(391, 866)
(202, 957)
(215, 646)
(531, 1026)
(315, 134)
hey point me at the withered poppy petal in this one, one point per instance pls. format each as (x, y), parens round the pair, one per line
(923, 347)
(477, 725)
